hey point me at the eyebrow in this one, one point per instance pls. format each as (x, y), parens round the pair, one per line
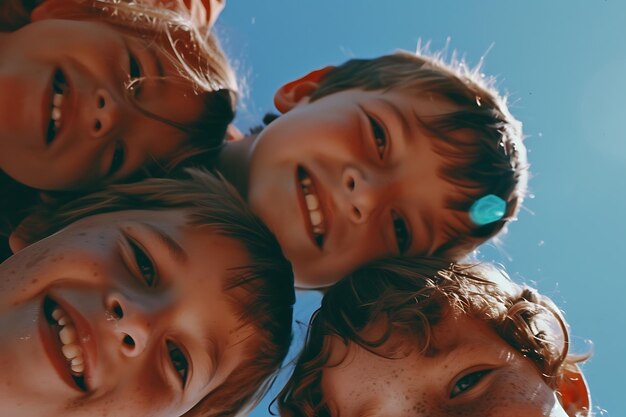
(156, 60)
(151, 51)
(175, 250)
(404, 122)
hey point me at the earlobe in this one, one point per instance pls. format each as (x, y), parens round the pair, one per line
(573, 393)
(291, 94)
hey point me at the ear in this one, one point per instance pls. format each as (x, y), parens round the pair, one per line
(573, 393)
(291, 94)
(213, 9)
(16, 243)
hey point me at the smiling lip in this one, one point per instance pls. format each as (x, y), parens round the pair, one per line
(316, 219)
(49, 332)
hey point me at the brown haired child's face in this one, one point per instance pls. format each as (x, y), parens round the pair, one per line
(136, 299)
(347, 179)
(468, 370)
(66, 121)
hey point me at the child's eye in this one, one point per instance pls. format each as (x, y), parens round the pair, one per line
(144, 265)
(119, 156)
(179, 362)
(380, 137)
(468, 382)
(401, 232)
(135, 76)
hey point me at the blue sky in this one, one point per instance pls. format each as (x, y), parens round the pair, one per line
(563, 63)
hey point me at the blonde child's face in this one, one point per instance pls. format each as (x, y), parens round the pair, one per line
(66, 121)
(468, 370)
(136, 298)
(349, 178)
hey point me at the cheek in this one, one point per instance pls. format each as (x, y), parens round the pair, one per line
(83, 257)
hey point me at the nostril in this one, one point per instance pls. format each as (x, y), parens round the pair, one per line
(350, 184)
(101, 102)
(98, 125)
(117, 310)
(356, 212)
(128, 341)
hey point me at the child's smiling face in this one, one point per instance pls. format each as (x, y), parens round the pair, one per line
(468, 370)
(134, 298)
(349, 178)
(66, 121)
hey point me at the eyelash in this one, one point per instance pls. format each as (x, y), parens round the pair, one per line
(380, 136)
(468, 381)
(401, 232)
(178, 360)
(118, 159)
(143, 264)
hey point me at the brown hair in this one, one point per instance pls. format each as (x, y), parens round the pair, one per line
(412, 296)
(266, 284)
(480, 141)
(193, 49)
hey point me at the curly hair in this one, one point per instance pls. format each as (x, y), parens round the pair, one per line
(413, 295)
(265, 294)
(479, 141)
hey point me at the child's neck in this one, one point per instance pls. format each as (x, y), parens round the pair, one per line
(234, 162)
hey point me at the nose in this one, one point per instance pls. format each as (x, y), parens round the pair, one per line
(363, 196)
(104, 113)
(132, 325)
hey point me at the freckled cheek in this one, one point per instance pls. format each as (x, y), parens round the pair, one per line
(36, 268)
(518, 394)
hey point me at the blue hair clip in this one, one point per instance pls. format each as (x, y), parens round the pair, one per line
(487, 209)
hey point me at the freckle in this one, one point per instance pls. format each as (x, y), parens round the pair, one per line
(34, 281)
(82, 234)
(95, 274)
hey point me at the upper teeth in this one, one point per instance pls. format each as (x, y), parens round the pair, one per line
(69, 339)
(57, 100)
(312, 203)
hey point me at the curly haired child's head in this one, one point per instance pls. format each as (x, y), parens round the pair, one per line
(401, 154)
(127, 87)
(185, 256)
(453, 338)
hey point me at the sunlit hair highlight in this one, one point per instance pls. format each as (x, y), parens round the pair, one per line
(261, 292)
(410, 296)
(479, 140)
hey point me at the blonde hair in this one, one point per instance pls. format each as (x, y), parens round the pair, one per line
(413, 295)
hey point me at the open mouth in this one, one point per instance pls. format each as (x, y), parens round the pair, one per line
(70, 355)
(59, 91)
(316, 221)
